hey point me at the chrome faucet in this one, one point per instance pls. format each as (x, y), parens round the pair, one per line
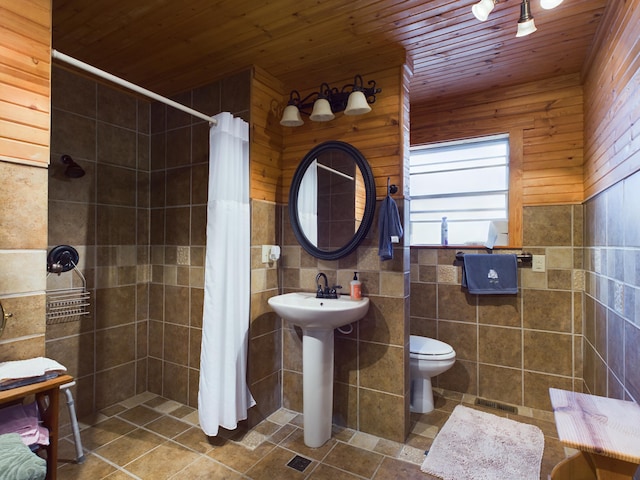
(326, 292)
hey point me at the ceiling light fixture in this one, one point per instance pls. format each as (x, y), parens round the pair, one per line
(321, 106)
(549, 4)
(483, 8)
(526, 26)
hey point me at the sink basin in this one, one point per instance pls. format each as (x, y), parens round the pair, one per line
(318, 317)
(308, 312)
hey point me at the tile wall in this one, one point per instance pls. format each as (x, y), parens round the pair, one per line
(23, 243)
(371, 363)
(104, 215)
(509, 348)
(178, 219)
(265, 341)
(337, 196)
(138, 221)
(178, 179)
(612, 298)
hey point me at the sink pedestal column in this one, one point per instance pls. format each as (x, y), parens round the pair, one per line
(317, 376)
(317, 317)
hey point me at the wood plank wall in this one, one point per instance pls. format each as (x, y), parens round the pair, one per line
(376, 134)
(25, 39)
(548, 117)
(267, 97)
(612, 109)
(405, 130)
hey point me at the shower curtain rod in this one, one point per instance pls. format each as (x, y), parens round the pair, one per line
(332, 170)
(131, 86)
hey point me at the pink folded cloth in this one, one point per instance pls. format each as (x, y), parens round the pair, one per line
(25, 421)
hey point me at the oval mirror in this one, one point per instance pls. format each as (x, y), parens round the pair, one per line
(332, 200)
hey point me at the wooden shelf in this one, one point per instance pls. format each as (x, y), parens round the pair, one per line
(47, 397)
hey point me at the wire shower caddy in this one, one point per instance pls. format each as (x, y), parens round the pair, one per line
(66, 304)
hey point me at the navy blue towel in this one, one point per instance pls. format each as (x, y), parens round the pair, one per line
(490, 274)
(389, 225)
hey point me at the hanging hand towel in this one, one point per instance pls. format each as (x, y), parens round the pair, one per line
(490, 274)
(389, 227)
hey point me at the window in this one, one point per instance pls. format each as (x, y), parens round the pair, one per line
(466, 181)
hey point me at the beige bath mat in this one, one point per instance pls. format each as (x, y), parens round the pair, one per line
(474, 445)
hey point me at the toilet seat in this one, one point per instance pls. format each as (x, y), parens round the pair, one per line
(429, 349)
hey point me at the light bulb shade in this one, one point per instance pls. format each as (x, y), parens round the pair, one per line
(321, 111)
(357, 104)
(482, 9)
(526, 28)
(525, 24)
(549, 4)
(291, 117)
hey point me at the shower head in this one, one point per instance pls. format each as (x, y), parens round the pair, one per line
(73, 170)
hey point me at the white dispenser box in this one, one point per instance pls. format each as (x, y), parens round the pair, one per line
(270, 253)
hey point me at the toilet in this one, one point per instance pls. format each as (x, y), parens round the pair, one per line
(428, 358)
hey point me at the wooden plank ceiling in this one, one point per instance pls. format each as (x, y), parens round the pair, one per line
(169, 46)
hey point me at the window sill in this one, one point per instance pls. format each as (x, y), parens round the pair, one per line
(468, 247)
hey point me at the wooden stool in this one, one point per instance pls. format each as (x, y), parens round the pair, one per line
(605, 430)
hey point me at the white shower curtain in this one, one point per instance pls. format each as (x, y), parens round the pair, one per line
(224, 397)
(308, 203)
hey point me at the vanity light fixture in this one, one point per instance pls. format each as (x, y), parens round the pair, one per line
(321, 106)
(526, 26)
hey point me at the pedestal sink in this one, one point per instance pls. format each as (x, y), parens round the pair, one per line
(318, 317)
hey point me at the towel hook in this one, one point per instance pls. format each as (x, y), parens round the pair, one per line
(391, 189)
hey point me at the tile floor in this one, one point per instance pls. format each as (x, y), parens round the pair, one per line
(149, 437)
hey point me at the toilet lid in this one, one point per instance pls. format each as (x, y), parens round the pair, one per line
(428, 346)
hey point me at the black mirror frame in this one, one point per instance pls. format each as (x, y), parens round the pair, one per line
(370, 202)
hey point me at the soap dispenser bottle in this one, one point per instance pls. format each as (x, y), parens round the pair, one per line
(356, 287)
(444, 232)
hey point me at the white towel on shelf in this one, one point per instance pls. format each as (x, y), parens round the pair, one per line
(33, 367)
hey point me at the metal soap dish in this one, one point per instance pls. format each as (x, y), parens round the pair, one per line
(66, 304)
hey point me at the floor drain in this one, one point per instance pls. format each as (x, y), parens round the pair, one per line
(496, 405)
(299, 463)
